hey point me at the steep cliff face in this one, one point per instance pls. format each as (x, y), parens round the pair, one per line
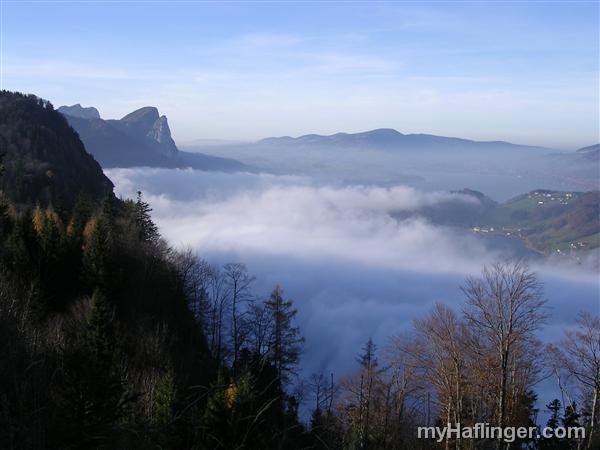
(161, 134)
(146, 124)
(141, 138)
(160, 131)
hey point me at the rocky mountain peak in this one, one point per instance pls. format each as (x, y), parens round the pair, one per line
(79, 111)
(147, 114)
(141, 120)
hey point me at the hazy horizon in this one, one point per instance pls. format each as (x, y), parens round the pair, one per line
(210, 141)
(519, 72)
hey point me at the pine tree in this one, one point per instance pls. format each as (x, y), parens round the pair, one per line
(571, 420)
(109, 210)
(524, 415)
(554, 407)
(92, 398)
(367, 358)
(82, 211)
(98, 246)
(552, 443)
(286, 342)
(148, 231)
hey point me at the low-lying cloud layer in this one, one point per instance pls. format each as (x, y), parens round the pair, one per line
(353, 269)
(284, 216)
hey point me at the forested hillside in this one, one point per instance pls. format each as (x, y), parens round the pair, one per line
(44, 161)
(102, 325)
(111, 339)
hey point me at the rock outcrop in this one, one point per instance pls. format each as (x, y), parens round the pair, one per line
(79, 111)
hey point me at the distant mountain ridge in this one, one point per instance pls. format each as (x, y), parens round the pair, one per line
(141, 138)
(390, 139)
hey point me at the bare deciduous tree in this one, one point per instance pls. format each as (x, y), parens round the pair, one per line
(578, 354)
(238, 284)
(505, 307)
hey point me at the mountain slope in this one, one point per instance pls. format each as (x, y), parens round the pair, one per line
(591, 153)
(102, 323)
(550, 221)
(141, 138)
(94, 310)
(43, 157)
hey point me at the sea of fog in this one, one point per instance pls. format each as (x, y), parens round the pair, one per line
(353, 270)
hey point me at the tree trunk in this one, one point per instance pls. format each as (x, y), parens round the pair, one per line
(593, 416)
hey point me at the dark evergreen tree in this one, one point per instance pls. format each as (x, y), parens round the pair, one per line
(79, 217)
(148, 231)
(368, 359)
(91, 394)
(571, 420)
(285, 342)
(98, 247)
(552, 443)
(525, 415)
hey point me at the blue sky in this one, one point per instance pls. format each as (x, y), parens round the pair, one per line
(521, 71)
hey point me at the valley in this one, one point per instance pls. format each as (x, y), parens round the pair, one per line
(299, 225)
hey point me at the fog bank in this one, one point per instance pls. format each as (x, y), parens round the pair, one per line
(353, 270)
